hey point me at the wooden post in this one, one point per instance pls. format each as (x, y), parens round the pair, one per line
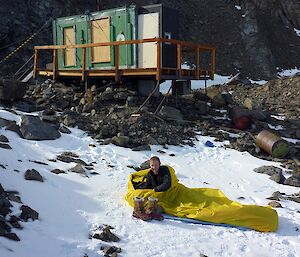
(158, 60)
(83, 64)
(198, 63)
(54, 63)
(116, 63)
(179, 61)
(35, 61)
(213, 63)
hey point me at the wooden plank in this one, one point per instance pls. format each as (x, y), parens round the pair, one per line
(101, 34)
(69, 53)
(158, 61)
(197, 63)
(213, 63)
(83, 59)
(179, 61)
(54, 63)
(35, 62)
(116, 63)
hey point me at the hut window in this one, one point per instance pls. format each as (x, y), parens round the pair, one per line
(100, 34)
(69, 53)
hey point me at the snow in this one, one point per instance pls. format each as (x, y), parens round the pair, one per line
(70, 205)
(290, 72)
(238, 7)
(297, 32)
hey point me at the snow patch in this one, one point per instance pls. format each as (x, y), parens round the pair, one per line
(287, 73)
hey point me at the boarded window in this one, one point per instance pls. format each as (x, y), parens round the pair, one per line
(69, 39)
(101, 34)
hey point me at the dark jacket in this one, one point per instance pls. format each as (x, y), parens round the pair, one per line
(160, 182)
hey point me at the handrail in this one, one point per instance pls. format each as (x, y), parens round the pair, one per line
(116, 44)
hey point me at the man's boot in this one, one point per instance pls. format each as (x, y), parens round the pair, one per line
(138, 211)
(153, 209)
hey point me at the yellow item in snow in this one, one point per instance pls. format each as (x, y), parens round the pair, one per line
(205, 204)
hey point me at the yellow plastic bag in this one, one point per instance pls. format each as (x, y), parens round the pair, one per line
(205, 204)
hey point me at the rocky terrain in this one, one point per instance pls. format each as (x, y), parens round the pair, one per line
(254, 37)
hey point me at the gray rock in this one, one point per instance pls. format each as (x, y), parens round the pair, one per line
(65, 130)
(3, 139)
(142, 148)
(145, 165)
(57, 171)
(170, 113)
(293, 181)
(28, 213)
(5, 146)
(120, 141)
(13, 197)
(33, 128)
(33, 175)
(12, 236)
(269, 170)
(275, 204)
(219, 101)
(278, 178)
(78, 169)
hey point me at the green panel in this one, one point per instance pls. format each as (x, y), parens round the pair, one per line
(123, 21)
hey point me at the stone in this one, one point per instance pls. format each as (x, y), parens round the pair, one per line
(65, 130)
(12, 89)
(293, 181)
(12, 236)
(275, 204)
(13, 197)
(120, 141)
(33, 128)
(145, 165)
(33, 175)
(28, 213)
(249, 104)
(5, 146)
(170, 113)
(78, 169)
(219, 101)
(278, 178)
(142, 148)
(269, 170)
(14, 221)
(3, 139)
(57, 171)
(106, 235)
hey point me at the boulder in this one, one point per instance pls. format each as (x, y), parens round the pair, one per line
(33, 128)
(278, 178)
(120, 140)
(28, 213)
(170, 113)
(33, 175)
(293, 181)
(269, 170)
(12, 89)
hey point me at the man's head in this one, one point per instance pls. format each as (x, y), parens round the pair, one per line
(154, 164)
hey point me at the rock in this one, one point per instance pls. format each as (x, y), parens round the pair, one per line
(13, 197)
(259, 115)
(14, 221)
(3, 139)
(5, 146)
(278, 178)
(269, 170)
(33, 128)
(78, 169)
(28, 213)
(33, 175)
(4, 205)
(120, 141)
(65, 130)
(12, 236)
(202, 107)
(70, 157)
(57, 171)
(293, 181)
(69, 120)
(170, 113)
(106, 235)
(151, 140)
(11, 89)
(275, 204)
(249, 104)
(200, 96)
(145, 165)
(111, 251)
(218, 101)
(142, 148)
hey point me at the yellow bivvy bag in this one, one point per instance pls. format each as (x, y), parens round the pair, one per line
(205, 204)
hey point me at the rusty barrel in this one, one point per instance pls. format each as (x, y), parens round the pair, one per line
(272, 144)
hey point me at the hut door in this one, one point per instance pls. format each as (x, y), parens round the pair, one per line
(148, 27)
(69, 53)
(101, 34)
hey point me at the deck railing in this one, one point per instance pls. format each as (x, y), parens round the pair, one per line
(196, 48)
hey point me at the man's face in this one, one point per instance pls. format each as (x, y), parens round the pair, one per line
(154, 165)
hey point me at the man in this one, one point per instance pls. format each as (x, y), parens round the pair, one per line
(158, 178)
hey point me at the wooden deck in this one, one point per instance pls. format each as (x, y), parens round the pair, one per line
(118, 73)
